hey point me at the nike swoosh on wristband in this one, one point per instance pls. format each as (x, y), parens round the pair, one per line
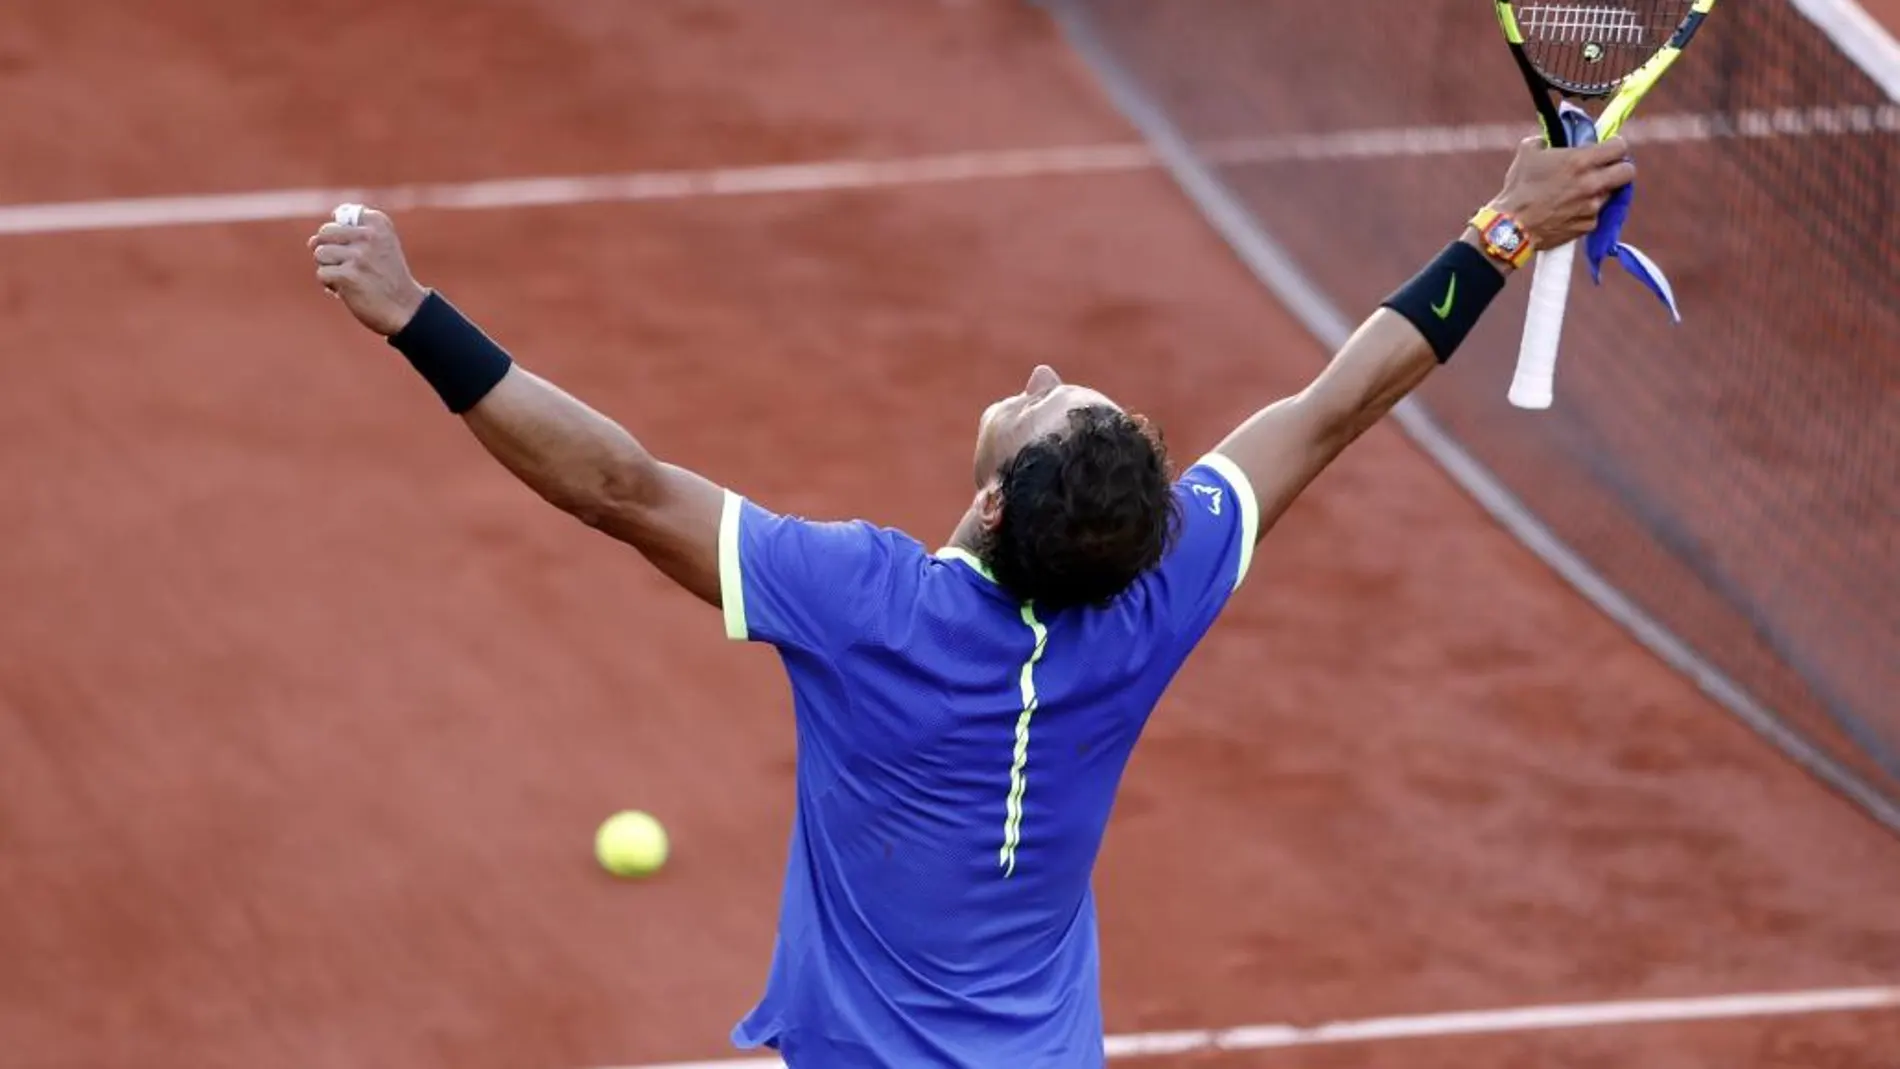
(1443, 311)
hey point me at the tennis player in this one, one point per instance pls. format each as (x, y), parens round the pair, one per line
(964, 715)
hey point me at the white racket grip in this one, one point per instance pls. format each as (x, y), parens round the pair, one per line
(1533, 384)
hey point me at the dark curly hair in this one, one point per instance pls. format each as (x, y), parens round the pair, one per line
(1086, 510)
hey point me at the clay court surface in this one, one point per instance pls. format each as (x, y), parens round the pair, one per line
(308, 711)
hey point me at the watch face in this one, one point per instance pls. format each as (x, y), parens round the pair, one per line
(1505, 235)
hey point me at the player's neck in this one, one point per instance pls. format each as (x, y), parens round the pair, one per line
(965, 536)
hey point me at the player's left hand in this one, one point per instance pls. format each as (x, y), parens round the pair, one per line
(363, 264)
(1557, 194)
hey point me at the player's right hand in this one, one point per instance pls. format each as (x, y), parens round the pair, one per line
(1557, 194)
(364, 265)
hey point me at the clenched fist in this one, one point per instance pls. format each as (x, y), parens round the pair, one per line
(363, 265)
(1556, 194)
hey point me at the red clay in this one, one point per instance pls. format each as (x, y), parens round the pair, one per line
(309, 712)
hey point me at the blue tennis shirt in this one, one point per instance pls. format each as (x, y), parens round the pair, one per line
(958, 757)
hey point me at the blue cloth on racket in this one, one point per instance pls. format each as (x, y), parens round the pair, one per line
(1606, 241)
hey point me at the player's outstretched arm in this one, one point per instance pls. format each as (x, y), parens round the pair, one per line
(589, 467)
(1553, 194)
(574, 457)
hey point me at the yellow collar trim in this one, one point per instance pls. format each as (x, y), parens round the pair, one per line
(958, 554)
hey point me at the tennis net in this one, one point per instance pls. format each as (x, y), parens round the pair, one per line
(1734, 478)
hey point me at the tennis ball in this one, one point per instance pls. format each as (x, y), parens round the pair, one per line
(630, 843)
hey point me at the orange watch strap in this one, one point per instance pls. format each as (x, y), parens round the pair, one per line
(1483, 222)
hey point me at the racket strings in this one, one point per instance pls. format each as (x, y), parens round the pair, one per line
(1604, 25)
(1589, 49)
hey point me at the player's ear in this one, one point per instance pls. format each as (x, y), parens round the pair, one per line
(989, 506)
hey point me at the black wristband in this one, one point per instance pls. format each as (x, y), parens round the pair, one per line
(1447, 298)
(460, 362)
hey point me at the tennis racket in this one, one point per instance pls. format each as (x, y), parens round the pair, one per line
(1612, 49)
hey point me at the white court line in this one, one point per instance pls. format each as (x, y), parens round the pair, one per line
(823, 176)
(839, 175)
(1491, 1022)
(1860, 36)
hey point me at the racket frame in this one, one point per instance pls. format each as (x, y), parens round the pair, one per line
(1533, 381)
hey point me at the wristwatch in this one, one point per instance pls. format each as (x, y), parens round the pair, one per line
(1503, 236)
